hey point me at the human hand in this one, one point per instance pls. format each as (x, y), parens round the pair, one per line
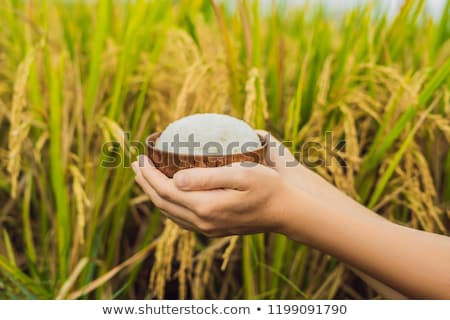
(236, 199)
(242, 199)
(283, 161)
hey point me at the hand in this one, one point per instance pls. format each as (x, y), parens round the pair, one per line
(281, 159)
(238, 199)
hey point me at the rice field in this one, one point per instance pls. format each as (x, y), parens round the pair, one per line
(83, 82)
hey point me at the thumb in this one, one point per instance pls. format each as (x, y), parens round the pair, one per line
(229, 177)
(278, 155)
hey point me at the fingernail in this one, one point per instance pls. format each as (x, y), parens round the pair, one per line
(134, 166)
(140, 160)
(147, 161)
(181, 179)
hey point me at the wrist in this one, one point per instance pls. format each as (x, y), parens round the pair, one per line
(306, 180)
(327, 226)
(295, 222)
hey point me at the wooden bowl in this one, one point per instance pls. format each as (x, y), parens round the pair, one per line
(169, 163)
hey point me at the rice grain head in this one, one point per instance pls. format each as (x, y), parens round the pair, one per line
(185, 254)
(19, 119)
(165, 252)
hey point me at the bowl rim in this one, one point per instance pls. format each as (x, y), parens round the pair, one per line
(151, 139)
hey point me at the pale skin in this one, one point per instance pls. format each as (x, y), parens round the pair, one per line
(296, 202)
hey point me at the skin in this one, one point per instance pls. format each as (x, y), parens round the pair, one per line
(294, 201)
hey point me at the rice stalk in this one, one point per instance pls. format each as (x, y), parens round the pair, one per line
(185, 253)
(228, 251)
(82, 204)
(20, 121)
(108, 72)
(165, 252)
(201, 276)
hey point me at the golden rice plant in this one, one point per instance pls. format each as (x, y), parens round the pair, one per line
(83, 82)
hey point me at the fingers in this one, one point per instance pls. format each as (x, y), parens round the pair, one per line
(229, 177)
(137, 171)
(164, 193)
(263, 133)
(171, 210)
(198, 221)
(209, 200)
(165, 187)
(196, 207)
(181, 223)
(278, 155)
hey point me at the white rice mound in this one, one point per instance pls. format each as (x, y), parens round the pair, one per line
(213, 134)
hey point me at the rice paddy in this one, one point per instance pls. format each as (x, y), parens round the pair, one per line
(82, 83)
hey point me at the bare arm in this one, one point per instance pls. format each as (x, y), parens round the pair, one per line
(414, 262)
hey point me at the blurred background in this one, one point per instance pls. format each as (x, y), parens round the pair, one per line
(82, 83)
(391, 7)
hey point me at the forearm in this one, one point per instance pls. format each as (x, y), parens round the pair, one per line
(414, 262)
